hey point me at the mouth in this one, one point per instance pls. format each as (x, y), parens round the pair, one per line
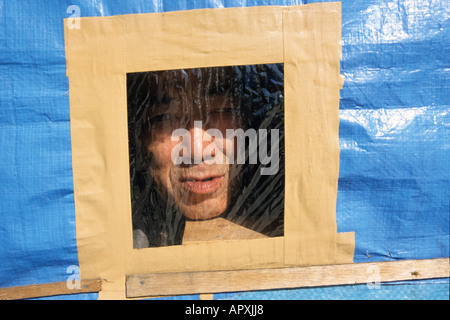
(202, 185)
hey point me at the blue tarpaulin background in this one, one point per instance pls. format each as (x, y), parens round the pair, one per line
(394, 138)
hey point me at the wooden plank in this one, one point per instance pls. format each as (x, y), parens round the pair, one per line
(180, 283)
(49, 289)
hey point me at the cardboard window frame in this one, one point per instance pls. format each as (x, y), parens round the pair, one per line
(305, 38)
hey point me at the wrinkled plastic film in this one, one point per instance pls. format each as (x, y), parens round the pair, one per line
(206, 149)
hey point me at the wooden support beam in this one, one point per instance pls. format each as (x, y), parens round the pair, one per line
(49, 289)
(180, 283)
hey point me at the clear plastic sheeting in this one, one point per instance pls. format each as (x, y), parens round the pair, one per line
(394, 177)
(206, 154)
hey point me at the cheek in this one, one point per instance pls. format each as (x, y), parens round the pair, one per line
(160, 152)
(161, 163)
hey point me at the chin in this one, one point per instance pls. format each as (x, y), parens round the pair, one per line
(204, 211)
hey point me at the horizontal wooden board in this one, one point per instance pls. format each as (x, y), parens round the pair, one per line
(160, 284)
(49, 289)
(180, 283)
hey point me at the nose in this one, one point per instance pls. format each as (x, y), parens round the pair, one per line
(199, 142)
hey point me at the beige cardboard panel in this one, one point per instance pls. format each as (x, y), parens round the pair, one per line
(102, 203)
(96, 61)
(97, 82)
(312, 83)
(221, 255)
(204, 38)
(306, 38)
(207, 256)
(345, 247)
(96, 48)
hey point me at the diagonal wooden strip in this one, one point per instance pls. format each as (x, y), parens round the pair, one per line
(49, 289)
(160, 284)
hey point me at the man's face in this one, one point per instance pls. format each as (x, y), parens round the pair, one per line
(201, 189)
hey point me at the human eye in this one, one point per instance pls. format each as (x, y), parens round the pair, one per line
(164, 121)
(168, 109)
(222, 105)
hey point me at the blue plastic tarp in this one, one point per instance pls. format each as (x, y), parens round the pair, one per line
(394, 130)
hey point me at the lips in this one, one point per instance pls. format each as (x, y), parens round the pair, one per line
(202, 184)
